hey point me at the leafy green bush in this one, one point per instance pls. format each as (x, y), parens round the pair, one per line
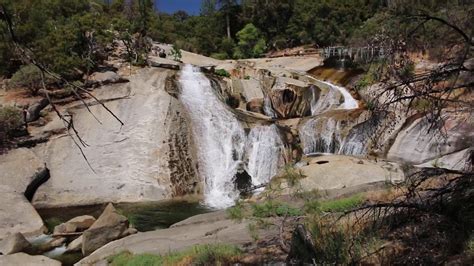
(10, 119)
(29, 76)
(176, 53)
(198, 255)
(220, 56)
(274, 208)
(341, 205)
(236, 212)
(222, 73)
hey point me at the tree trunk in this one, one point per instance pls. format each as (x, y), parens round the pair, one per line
(228, 25)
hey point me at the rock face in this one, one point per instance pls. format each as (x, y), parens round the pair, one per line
(330, 173)
(419, 143)
(17, 214)
(149, 158)
(13, 244)
(27, 260)
(18, 168)
(291, 97)
(108, 227)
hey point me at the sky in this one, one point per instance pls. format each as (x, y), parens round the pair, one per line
(192, 7)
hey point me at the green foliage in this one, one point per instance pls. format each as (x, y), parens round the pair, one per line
(197, 255)
(331, 242)
(253, 230)
(176, 52)
(236, 212)
(250, 43)
(292, 175)
(52, 222)
(341, 205)
(274, 208)
(10, 119)
(222, 73)
(29, 76)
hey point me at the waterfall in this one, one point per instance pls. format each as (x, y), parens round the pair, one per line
(267, 107)
(324, 102)
(349, 101)
(263, 150)
(222, 144)
(320, 136)
(218, 135)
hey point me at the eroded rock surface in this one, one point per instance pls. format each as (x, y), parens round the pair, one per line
(146, 159)
(24, 259)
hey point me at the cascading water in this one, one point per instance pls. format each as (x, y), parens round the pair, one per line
(222, 144)
(218, 135)
(320, 136)
(263, 150)
(325, 102)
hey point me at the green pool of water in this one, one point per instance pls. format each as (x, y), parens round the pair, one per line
(143, 216)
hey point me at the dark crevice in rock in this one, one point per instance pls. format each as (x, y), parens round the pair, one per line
(38, 179)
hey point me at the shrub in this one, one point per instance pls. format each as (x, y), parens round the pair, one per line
(236, 212)
(222, 73)
(10, 119)
(274, 208)
(341, 205)
(29, 76)
(176, 52)
(197, 255)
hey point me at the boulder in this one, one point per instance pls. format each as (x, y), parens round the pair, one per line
(82, 222)
(51, 244)
(109, 226)
(163, 63)
(291, 98)
(34, 110)
(17, 214)
(14, 243)
(24, 259)
(104, 78)
(64, 228)
(79, 223)
(334, 174)
(75, 245)
(18, 168)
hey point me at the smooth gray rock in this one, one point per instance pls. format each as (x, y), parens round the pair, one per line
(27, 260)
(149, 158)
(18, 215)
(14, 243)
(109, 226)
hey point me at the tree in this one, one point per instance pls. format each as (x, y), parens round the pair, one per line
(250, 43)
(29, 76)
(226, 6)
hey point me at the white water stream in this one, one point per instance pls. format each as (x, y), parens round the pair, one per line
(222, 144)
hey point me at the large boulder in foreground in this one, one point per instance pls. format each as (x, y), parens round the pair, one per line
(18, 215)
(339, 174)
(18, 168)
(109, 226)
(14, 243)
(149, 158)
(27, 260)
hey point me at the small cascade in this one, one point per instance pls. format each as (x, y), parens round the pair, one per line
(218, 135)
(263, 151)
(324, 103)
(267, 107)
(354, 144)
(320, 136)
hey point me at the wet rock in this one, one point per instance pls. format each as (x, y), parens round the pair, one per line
(14, 243)
(28, 260)
(51, 244)
(109, 226)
